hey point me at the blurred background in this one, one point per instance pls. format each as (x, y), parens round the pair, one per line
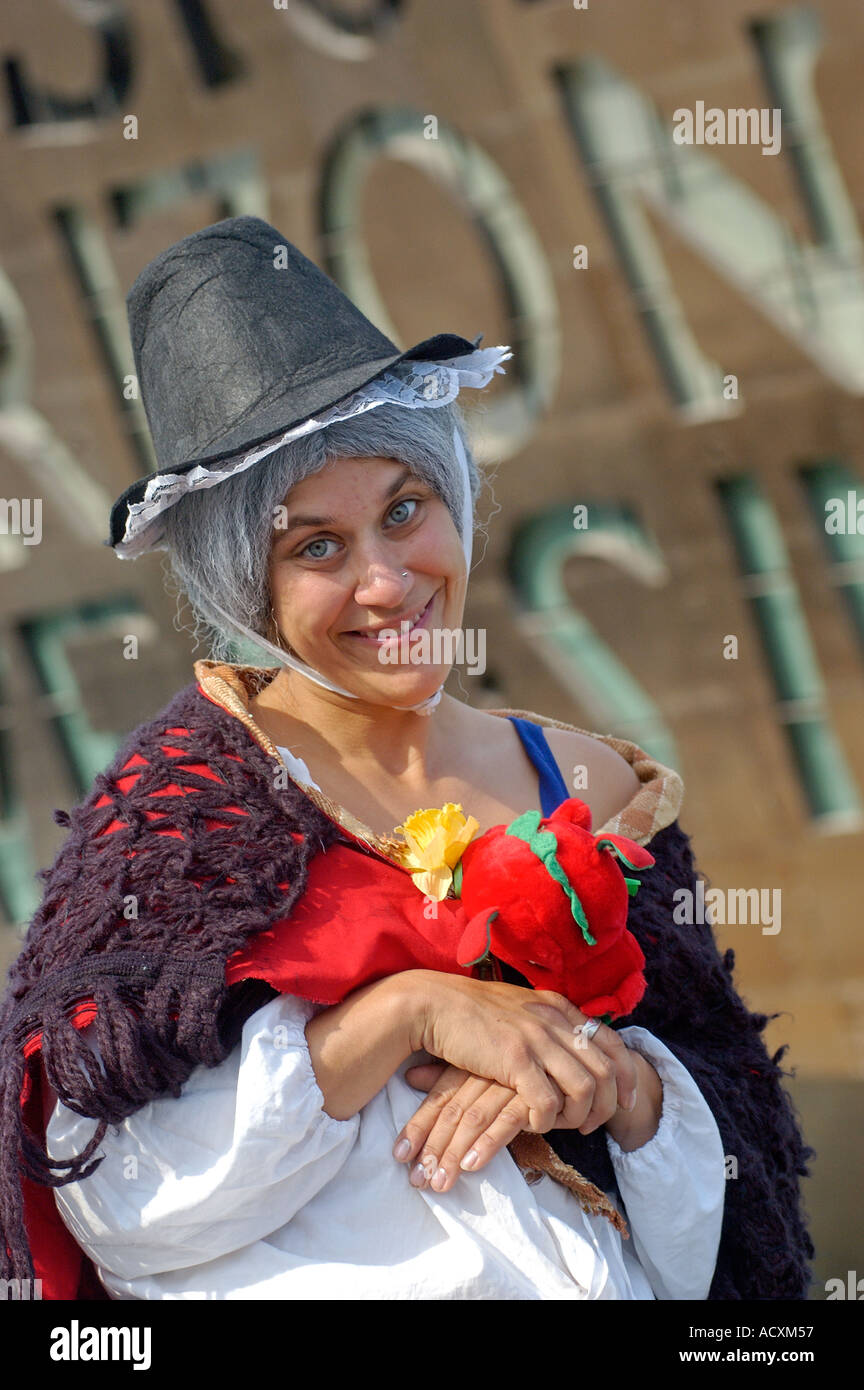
(658, 204)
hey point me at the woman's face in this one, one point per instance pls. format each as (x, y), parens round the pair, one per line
(341, 541)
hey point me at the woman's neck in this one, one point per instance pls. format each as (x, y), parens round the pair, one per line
(317, 723)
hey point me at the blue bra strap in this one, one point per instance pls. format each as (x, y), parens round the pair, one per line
(553, 788)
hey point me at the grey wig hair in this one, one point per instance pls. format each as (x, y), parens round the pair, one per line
(219, 538)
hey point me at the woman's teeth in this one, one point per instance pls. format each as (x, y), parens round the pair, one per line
(394, 627)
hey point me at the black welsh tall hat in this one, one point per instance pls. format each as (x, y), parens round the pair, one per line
(237, 338)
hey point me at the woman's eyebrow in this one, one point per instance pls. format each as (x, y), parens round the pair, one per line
(297, 521)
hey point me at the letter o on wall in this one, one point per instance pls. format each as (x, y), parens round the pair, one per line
(477, 183)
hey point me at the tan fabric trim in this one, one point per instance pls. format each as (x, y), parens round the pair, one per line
(225, 693)
(651, 809)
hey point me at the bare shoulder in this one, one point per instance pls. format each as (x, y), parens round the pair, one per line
(611, 781)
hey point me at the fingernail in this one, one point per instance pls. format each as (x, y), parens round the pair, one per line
(418, 1176)
(631, 1104)
(470, 1159)
(402, 1150)
(429, 1165)
(439, 1179)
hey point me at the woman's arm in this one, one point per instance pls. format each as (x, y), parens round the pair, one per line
(521, 1038)
(356, 1046)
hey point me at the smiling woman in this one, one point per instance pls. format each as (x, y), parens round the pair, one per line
(260, 1033)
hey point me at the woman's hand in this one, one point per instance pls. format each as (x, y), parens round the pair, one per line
(524, 1040)
(470, 1117)
(465, 1120)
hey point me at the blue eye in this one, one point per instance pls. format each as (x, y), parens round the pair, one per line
(403, 502)
(318, 555)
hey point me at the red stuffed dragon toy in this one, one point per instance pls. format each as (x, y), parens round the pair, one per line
(524, 887)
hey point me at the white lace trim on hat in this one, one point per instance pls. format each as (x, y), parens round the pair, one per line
(409, 383)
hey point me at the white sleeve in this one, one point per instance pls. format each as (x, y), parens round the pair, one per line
(674, 1186)
(232, 1159)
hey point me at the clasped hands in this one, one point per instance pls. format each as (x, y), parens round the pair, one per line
(466, 1119)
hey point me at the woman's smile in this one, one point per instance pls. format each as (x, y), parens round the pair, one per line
(417, 620)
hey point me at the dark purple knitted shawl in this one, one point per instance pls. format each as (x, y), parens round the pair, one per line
(158, 979)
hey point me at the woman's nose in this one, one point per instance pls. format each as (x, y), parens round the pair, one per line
(383, 584)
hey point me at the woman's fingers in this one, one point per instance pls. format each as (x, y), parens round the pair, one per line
(586, 1086)
(609, 1057)
(483, 1026)
(573, 1062)
(582, 1075)
(452, 1082)
(467, 1122)
(461, 1113)
(613, 1045)
(487, 1125)
(467, 1113)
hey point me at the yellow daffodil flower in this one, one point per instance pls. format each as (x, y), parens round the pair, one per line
(435, 841)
